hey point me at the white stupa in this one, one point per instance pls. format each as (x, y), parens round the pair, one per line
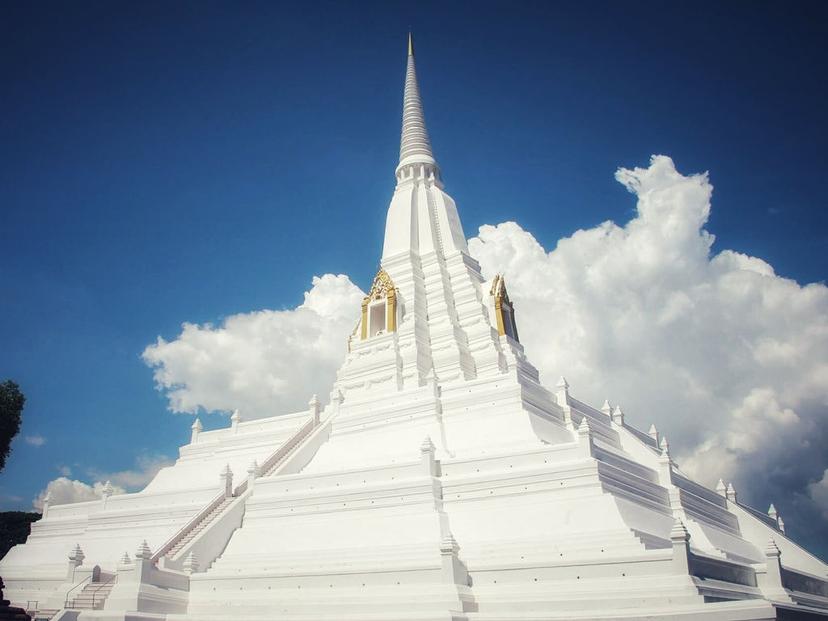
(440, 481)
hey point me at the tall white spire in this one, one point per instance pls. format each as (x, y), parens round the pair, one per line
(415, 147)
(430, 307)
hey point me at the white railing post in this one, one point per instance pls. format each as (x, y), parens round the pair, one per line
(106, 492)
(191, 563)
(196, 429)
(773, 561)
(562, 397)
(226, 477)
(252, 474)
(681, 548)
(76, 557)
(731, 492)
(585, 438)
(772, 581)
(452, 569)
(314, 407)
(143, 561)
(427, 456)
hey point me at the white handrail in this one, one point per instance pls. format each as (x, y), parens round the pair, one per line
(287, 447)
(190, 525)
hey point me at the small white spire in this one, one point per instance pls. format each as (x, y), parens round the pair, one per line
(427, 446)
(562, 393)
(665, 446)
(618, 415)
(781, 523)
(721, 488)
(606, 408)
(583, 428)
(191, 563)
(235, 419)
(679, 532)
(772, 513)
(143, 552)
(107, 489)
(731, 492)
(125, 560)
(653, 433)
(448, 544)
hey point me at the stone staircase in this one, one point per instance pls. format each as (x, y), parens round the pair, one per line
(202, 521)
(200, 526)
(93, 596)
(272, 463)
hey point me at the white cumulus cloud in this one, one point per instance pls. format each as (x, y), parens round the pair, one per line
(728, 359)
(819, 492)
(35, 440)
(137, 478)
(262, 363)
(62, 491)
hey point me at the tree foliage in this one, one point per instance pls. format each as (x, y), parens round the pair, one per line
(11, 407)
(15, 527)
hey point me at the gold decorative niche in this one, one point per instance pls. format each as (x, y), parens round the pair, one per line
(379, 307)
(504, 309)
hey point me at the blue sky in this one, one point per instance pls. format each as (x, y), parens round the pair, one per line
(171, 162)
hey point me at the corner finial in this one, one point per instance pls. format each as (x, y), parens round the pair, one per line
(410, 44)
(618, 415)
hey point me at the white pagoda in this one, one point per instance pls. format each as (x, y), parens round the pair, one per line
(441, 481)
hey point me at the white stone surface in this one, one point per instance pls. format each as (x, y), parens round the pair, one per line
(441, 481)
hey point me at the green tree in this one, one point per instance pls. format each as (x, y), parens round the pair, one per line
(11, 406)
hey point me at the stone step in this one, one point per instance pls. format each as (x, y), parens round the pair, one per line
(92, 596)
(200, 527)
